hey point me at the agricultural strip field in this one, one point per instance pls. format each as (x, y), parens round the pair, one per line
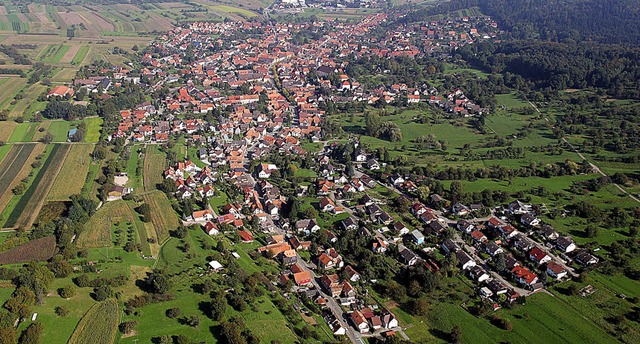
(80, 55)
(10, 170)
(6, 129)
(70, 54)
(163, 217)
(154, 165)
(54, 53)
(73, 174)
(34, 250)
(99, 325)
(97, 231)
(30, 203)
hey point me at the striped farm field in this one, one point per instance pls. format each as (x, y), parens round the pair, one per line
(163, 216)
(27, 209)
(19, 132)
(6, 129)
(99, 325)
(97, 231)
(12, 163)
(80, 55)
(16, 167)
(154, 164)
(70, 54)
(73, 174)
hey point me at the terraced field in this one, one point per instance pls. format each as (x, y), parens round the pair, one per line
(163, 217)
(27, 209)
(73, 174)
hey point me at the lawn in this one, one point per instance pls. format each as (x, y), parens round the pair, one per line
(73, 174)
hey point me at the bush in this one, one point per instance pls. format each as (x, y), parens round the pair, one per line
(502, 323)
(67, 292)
(31, 334)
(127, 326)
(62, 311)
(173, 312)
(102, 293)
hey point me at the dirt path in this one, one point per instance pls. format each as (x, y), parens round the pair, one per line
(595, 168)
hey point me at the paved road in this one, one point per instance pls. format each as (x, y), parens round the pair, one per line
(335, 308)
(495, 275)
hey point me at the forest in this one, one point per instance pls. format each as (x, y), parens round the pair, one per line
(605, 21)
(559, 66)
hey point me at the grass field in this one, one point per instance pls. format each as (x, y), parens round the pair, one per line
(73, 174)
(163, 216)
(99, 325)
(97, 231)
(19, 132)
(60, 130)
(94, 125)
(265, 320)
(30, 203)
(155, 162)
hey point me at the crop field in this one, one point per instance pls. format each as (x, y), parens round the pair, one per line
(154, 165)
(6, 129)
(80, 55)
(97, 231)
(73, 174)
(35, 250)
(11, 166)
(30, 203)
(163, 216)
(99, 325)
(70, 54)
